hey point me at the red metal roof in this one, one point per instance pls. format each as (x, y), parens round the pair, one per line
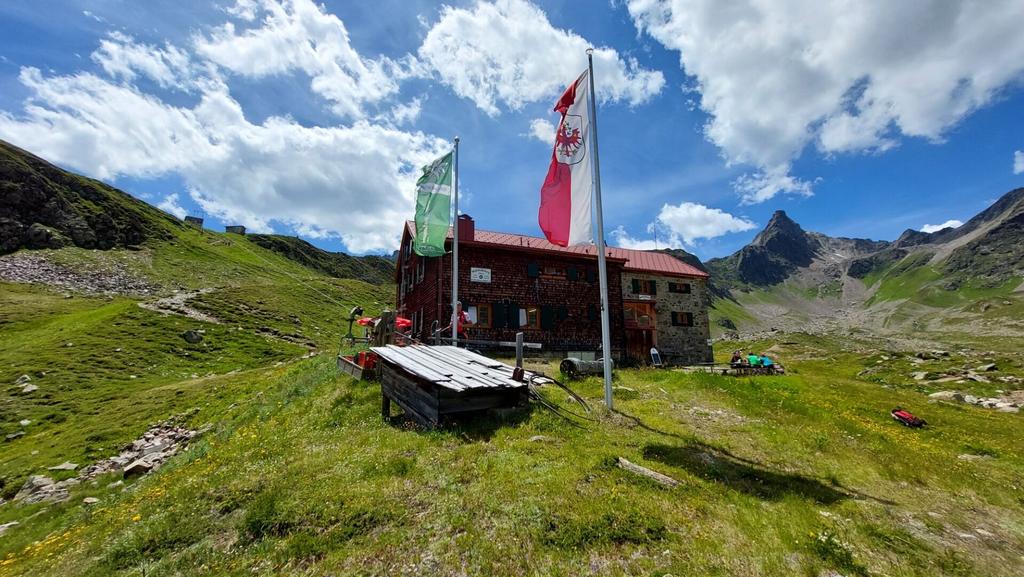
(636, 260)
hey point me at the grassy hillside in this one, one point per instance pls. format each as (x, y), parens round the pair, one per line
(801, 475)
(106, 367)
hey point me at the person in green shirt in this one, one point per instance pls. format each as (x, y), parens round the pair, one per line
(754, 360)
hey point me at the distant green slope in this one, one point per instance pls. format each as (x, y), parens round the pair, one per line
(372, 269)
(913, 278)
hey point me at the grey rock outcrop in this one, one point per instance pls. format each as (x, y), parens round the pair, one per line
(143, 455)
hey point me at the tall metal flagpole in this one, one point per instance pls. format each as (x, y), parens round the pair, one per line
(602, 267)
(455, 246)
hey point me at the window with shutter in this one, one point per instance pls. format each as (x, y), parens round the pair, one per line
(571, 273)
(591, 275)
(682, 319)
(592, 312)
(533, 270)
(644, 287)
(533, 317)
(483, 316)
(679, 287)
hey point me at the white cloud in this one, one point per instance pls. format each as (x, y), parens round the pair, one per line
(543, 130)
(952, 223)
(351, 182)
(107, 129)
(405, 112)
(297, 35)
(778, 75)
(761, 186)
(244, 9)
(89, 14)
(683, 224)
(690, 221)
(120, 56)
(171, 203)
(508, 53)
(622, 239)
(1018, 162)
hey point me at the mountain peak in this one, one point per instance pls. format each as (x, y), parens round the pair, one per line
(779, 225)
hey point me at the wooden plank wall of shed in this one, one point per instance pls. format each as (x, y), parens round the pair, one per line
(420, 401)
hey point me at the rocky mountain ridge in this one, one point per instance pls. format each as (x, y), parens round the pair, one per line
(989, 246)
(43, 206)
(794, 278)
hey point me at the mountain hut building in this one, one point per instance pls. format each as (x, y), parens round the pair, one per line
(510, 283)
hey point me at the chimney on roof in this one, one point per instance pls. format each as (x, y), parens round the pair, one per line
(467, 228)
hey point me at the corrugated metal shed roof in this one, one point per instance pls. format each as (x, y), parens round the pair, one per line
(454, 368)
(636, 260)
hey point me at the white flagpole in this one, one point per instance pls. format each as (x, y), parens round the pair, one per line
(602, 267)
(455, 245)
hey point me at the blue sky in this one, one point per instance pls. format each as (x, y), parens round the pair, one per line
(311, 119)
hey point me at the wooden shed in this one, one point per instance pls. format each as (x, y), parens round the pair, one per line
(431, 383)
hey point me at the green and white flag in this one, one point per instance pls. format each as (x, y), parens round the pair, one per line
(433, 207)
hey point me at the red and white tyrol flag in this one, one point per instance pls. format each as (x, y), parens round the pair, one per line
(565, 196)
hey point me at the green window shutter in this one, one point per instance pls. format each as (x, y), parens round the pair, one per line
(512, 316)
(498, 319)
(636, 285)
(563, 313)
(571, 273)
(533, 270)
(592, 312)
(689, 319)
(654, 287)
(686, 288)
(547, 317)
(591, 275)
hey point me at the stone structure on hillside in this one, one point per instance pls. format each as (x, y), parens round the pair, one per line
(194, 221)
(669, 313)
(235, 229)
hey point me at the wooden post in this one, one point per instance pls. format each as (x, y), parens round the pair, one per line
(519, 350)
(385, 407)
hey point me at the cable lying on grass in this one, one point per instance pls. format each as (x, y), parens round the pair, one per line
(566, 414)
